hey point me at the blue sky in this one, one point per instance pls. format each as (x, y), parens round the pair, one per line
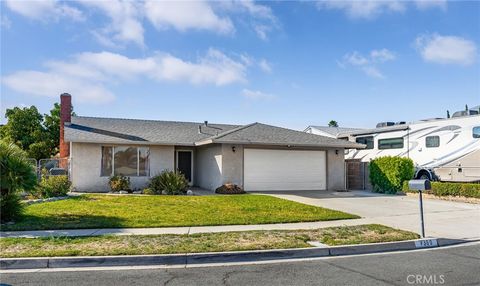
(291, 64)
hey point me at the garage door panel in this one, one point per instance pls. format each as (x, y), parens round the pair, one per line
(284, 170)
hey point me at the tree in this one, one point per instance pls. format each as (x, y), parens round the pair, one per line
(52, 127)
(17, 174)
(332, 123)
(38, 135)
(24, 126)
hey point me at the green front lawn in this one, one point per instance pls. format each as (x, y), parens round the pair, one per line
(106, 211)
(206, 242)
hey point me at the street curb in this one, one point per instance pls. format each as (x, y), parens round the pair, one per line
(215, 257)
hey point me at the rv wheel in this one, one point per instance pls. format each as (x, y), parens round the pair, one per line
(423, 176)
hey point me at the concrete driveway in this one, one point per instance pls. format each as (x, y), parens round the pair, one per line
(443, 219)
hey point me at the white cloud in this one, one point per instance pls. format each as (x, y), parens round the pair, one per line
(382, 55)
(265, 66)
(262, 31)
(256, 94)
(215, 68)
(427, 4)
(257, 10)
(127, 18)
(372, 71)
(446, 49)
(51, 84)
(365, 9)
(182, 16)
(89, 75)
(262, 18)
(5, 22)
(45, 10)
(368, 64)
(369, 9)
(355, 59)
(125, 25)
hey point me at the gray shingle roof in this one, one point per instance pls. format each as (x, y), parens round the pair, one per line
(262, 134)
(334, 131)
(118, 131)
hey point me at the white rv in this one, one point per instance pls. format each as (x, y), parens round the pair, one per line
(442, 149)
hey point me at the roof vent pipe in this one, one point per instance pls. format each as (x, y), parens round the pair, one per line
(206, 122)
(199, 129)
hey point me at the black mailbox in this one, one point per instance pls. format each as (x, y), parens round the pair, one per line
(419, 185)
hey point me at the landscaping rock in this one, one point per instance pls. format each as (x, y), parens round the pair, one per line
(229, 189)
(123, 192)
(29, 202)
(189, 193)
(164, 192)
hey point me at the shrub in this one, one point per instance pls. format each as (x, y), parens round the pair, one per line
(149, 191)
(171, 182)
(229, 189)
(17, 174)
(469, 190)
(52, 186)
(388, 173)
(119, 183)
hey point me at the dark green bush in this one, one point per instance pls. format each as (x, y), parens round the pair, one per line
(388, 173)
(172, 183)
(11, 206)
(52, 186)
(17, 174)
(469, 190)
(229, 189)
(119, 183)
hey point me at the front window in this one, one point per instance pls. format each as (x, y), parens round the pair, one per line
(367, 140)
(476, 132)
(390, 143)
(432, 141)
(125, 161)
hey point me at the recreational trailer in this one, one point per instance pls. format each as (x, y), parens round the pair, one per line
(441, 149)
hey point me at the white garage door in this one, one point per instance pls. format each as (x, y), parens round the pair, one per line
(282, 170)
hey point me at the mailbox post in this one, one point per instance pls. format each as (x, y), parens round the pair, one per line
(420, 186)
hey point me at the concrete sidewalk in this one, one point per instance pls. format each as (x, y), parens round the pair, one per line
(182, 230)
(445, 219)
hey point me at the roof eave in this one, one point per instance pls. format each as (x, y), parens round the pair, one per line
(346, 146)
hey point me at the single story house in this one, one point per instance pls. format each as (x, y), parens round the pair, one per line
(329, 131)
(257, 156)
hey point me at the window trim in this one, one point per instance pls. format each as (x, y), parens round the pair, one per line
(433, 136)
(373, 142)
(113, 160)
(380, 145)
(476, 135)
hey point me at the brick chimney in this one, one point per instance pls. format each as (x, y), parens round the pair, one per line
(65, 117)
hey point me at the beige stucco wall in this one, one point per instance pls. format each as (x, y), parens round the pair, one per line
(208, 166)
(335, 170)
(86, 164)
(214, 165)
(232, 164)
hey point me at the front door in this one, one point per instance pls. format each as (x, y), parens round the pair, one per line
(184, 164)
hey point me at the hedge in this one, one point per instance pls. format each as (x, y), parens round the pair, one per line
(388, 173)
(469, 190)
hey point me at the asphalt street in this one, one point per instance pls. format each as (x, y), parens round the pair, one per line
(459, 265)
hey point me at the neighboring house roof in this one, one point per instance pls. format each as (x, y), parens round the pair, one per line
(117, 131)
(375, 130)
(334, 131)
